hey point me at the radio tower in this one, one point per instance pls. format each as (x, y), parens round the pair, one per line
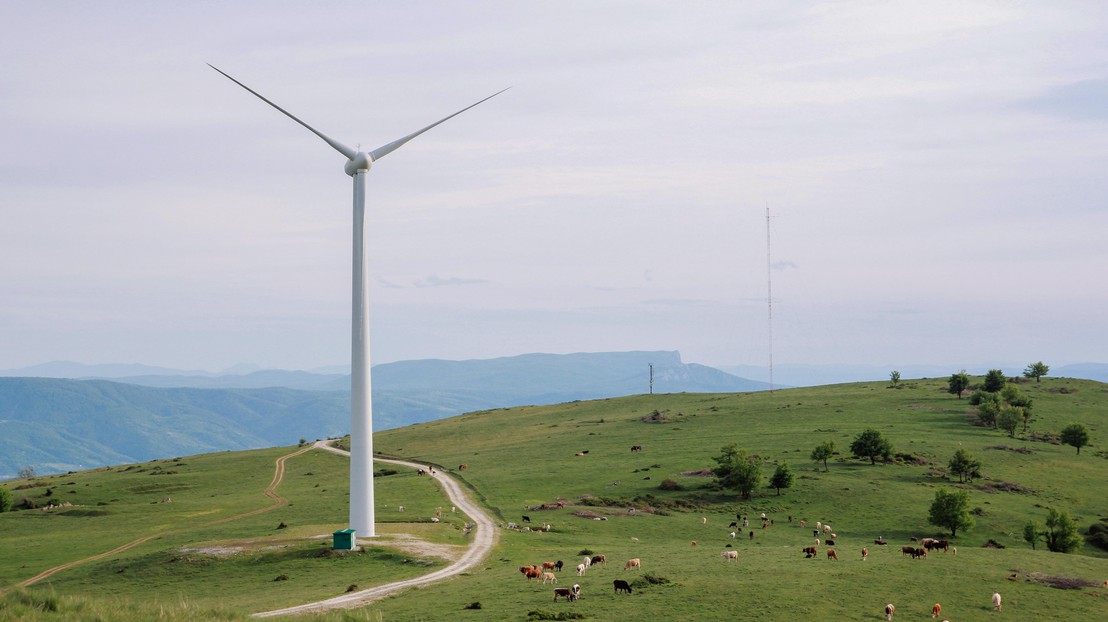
(769, 299)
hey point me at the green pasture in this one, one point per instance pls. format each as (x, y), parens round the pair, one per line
(521, 458)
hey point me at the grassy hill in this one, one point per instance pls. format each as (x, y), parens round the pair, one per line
(522, 458)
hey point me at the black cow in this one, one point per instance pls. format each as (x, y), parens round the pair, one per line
(621, 586)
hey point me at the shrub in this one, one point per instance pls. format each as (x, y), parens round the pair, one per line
(1098, 535)
(5, 500)
(670, 484)
(473, 605)
(282, 577)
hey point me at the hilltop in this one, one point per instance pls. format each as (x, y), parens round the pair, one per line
(524, 461)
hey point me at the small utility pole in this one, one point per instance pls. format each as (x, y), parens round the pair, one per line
(652, 378)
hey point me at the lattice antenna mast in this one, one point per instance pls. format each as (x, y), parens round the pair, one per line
(769, 297)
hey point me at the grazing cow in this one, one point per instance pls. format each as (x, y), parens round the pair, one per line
(953, 550)
(809, 551)
(889, 611)
(729, 555)
(803, 523)
(829, 542)
(834, 535)
(819, 525)
(732, 535)
(581, 570)
(733, 524)
(580, 453)
(827, 529)
(558, 566)
(633, 563)
(996, 601)
(634, 539)
(752, 536)
(621, 586)
(434, 519)
(703, 520)
(831, 554)
(636, 448)
(531, 572)
(462, 467)
(918, 553)
(549, 576)
(694, 542)
(571, 593)
(936, 610)
(526, 519)
(908, 550)
(548, 565)
(598, 559)
(587, 561)
(817, 542)
(880, 542)
(865, 553)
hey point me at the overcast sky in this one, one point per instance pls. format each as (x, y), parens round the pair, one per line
(935, 174)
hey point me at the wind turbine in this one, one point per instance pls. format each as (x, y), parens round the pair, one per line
(358, 164)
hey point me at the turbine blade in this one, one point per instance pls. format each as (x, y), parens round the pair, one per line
(384, 150)
(341, 148)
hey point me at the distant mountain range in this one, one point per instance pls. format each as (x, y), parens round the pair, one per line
(66, 416)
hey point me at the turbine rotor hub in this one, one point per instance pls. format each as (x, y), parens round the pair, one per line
(360, 162)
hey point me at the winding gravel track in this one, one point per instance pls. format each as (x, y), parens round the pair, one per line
(484, 538)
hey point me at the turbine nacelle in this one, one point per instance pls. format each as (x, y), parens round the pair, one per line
(361, 161)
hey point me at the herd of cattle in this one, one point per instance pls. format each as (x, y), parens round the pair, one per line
(546, 572)
(823, 534)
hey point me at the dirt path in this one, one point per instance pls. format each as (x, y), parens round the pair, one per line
(270, 491)
(484, 538)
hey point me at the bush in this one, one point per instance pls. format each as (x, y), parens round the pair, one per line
(473, 605)
(1098, 535)
(5, 500)
(670, 484)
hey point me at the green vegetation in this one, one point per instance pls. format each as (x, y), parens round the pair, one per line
(526, 458)
(1032, 533)
(951, 510)
(5, 499)
(894, 379)
(737, 469)
(1061, 534)
(1036, 371)
(870, 444)
(958, 383)
(1075, 435)
(994, 381)
(965, 466)
(782, 478)
(823, 452)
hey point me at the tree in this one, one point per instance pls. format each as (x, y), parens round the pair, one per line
(958, 382)
(823, 452)
(988, 406)
(1061, 533)
(5, 500)
(782, 478)
(995, 380)
(1009, 419)
(965, 466)
(27, 472)
(1075, 435)
(1036, 371)
(894, 378)
(1032, 533)
(951, 510)
(738, 470)
(870, 444)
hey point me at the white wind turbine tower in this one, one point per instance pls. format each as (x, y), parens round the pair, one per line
(361, 406)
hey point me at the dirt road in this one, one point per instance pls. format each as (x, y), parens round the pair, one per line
(484, 538)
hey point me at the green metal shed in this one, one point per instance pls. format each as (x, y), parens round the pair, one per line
(345, 539)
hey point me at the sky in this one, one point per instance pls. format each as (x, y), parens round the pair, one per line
(933, 175)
